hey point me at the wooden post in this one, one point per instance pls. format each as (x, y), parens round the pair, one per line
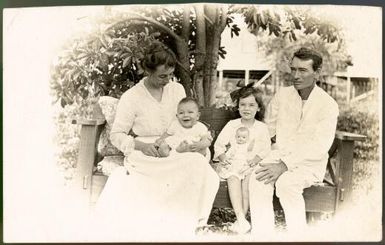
(348, 81)
(345, 172)
(344, 166)
(89, 136)
(220, 80)
(247, 76)
(353, 88)
(274, 80)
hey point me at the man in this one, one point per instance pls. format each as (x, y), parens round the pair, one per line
(302, 121)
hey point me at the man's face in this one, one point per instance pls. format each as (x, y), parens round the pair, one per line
(303, 73)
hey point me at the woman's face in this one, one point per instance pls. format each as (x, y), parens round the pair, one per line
(161, 76)
(248, 107)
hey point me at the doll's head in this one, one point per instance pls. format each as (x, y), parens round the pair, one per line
(242, 135)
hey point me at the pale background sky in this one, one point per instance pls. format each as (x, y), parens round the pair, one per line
(34, 205)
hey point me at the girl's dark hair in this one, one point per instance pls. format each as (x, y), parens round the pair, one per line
(257, 93)
(158, 54)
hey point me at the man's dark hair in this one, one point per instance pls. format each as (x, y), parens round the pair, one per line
(188, 99)
(308, 54)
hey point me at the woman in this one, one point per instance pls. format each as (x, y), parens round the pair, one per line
(157, 197)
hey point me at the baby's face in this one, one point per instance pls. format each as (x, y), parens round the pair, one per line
(187, 114)
(242, 137)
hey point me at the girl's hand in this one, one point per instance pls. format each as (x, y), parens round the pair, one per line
(150, 150)
(223, 159)
(254, 162)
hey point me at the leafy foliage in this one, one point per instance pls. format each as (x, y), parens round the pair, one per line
(361, 122)
(105, 61)
(283, 22)
(281, 31)
(172, 18)
(102, 63)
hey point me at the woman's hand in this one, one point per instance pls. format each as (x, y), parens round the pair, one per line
(150, 150)
(159, 141)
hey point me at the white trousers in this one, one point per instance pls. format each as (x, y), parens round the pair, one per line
(289, 189)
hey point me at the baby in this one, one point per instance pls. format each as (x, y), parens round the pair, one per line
(186, 134)
(239, 155)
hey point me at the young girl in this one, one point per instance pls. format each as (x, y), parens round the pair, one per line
(251, 110)
(186, 134)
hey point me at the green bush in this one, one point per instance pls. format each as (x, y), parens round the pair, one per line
(365, 123)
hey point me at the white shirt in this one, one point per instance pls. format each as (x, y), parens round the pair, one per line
(304, 132)
(140, 111)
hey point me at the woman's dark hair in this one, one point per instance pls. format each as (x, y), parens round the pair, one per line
(257, 93)
(308, 54)
(158, 54)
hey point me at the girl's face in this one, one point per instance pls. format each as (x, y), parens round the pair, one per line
(248, 107)
(161, 76)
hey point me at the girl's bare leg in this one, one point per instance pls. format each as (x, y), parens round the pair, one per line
(235, 192)
(245, 193)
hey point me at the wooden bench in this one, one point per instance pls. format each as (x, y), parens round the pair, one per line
(328, 197)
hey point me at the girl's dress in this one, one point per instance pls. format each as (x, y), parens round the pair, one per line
(238, 154)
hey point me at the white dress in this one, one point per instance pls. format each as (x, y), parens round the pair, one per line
(160, 198)
(238, 155)
(258, 132)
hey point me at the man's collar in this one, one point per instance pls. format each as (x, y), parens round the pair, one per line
(305, 93)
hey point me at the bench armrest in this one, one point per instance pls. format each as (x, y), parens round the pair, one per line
(342, 135)
(90, 131)
(94, 122)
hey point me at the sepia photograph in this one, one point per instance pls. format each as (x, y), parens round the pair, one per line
(192, 122)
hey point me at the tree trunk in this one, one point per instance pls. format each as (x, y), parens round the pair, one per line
(183, 69)
(217, 18)
(200, 54)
